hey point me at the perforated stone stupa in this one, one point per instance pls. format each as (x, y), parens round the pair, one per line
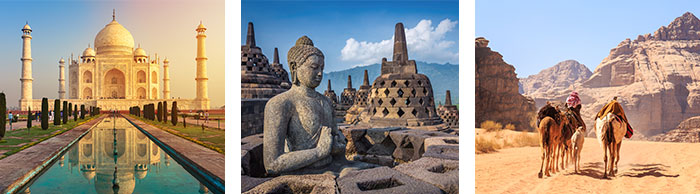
(331, 94)
(260, 81)
(347, 99)
(448, 112)
(360, 102)
(401, 96)
(258, 78)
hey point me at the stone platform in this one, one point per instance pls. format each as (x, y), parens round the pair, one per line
(412, 160)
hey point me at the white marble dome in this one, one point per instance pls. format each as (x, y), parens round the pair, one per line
(89, 52)
(114, 38)
(139, 52)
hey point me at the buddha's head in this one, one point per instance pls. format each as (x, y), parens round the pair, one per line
(305, 63)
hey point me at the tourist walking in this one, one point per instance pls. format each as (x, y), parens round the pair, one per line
(9, 117)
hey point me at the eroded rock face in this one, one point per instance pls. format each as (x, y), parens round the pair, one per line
(688, 131)
(656, 78)
(559, 77)
(497, 96)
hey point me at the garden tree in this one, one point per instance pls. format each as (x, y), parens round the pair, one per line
(44, 113)
(3, 114)
(29, 118)
(75, 112)
(165, 112)
(64, 113)
(70, 109)
(57, 112)
(82, 111)
(173, 114)
(160, 111)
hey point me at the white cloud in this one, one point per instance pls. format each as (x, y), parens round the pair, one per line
(425, 43)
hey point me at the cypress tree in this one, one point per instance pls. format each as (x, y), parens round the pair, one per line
(82, 111)
(57, 112)
(165, 111)
(44, 113)
(70, 109)
(3, 114)
(75, 112)
(173, 113)
(30, 118)
(64, 113)
(160, 111)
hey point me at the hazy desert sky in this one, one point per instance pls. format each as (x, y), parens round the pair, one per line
(534, 35)
(64, 27)
(352, 33)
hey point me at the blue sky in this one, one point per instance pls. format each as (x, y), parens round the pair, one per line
(534, 35)
(350, 33)
(166, 27)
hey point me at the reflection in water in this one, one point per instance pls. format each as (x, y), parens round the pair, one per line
(132, 161)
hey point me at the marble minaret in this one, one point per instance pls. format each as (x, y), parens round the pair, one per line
(166, 79)
(202, 88)
(61, 79)
(26, 93)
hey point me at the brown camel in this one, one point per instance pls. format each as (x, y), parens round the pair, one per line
(609, 131)
(550, 138)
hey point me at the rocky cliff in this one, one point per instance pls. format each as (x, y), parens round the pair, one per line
(687, 131)
(655, 77)
(497, 96)
(559, 77)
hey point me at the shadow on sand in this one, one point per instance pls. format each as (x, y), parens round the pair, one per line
(595, 170)
(642, 170)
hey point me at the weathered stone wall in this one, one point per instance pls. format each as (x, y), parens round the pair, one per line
(252, 116)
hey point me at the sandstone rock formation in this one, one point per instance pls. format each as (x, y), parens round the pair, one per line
(655, 76)
(687, 131)
(497, 96)
(559, 77)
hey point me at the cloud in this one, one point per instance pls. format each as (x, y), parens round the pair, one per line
(425, 43)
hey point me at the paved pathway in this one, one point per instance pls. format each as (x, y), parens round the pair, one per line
(19, 166)
(209, 160)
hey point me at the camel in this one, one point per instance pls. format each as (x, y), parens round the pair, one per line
(609, 131)
(577, 144)
(550, 138)
(567, 132)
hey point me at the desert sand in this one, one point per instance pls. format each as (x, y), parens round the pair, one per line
(644, 167)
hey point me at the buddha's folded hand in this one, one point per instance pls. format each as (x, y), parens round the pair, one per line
(325, 141)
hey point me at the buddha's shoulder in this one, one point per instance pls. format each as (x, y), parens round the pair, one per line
(281, 99)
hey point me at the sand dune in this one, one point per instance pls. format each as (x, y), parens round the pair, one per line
(645, 167)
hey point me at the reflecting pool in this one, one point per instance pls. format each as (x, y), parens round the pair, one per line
(96, 163)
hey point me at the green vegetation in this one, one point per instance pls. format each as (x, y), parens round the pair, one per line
(30, 118)
(3, 114)
(165, 112)
(57, 112)
(44, 113)
(159, 115)
(211, 138)
(19, 140)
(65, 112)
(173, 114)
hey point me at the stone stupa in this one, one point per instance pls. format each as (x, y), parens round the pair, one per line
(401, 96)
(359, 102)
(448, 112)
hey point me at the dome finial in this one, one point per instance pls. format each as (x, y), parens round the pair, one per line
(114, 18)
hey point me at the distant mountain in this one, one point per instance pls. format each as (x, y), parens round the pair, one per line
(559, 77)
(442, 76)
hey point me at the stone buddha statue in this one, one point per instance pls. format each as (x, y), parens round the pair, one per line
(300, 134)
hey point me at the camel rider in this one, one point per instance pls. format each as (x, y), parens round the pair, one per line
(615, 108)
(574, 104)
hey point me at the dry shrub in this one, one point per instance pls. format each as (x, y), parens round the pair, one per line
(525, 139)
(510, 127)
(486, 145)
(491, 125)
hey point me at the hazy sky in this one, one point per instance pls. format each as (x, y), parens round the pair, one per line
(534, 35)
(64, 27)
(352, 33)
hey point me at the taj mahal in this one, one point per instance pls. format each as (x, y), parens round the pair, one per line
(116, 75)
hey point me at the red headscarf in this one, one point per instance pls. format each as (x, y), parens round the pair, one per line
(573, 99)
